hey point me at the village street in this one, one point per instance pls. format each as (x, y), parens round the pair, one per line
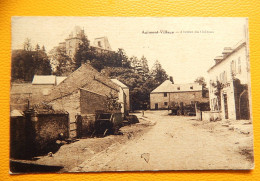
(177, 143)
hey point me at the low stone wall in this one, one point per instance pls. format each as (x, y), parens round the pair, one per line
(36, 133)
(210, 116)
(48, 127)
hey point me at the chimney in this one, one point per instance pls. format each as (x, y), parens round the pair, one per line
(218, 59)
(171, 79)
(226, 51)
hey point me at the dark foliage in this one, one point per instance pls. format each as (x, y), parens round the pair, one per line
(26, 63)
(99, 58)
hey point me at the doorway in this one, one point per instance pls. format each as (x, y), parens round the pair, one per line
(156, 106)
(225, 106)
(244, 109)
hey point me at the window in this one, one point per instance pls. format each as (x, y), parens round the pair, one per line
(224, 77)
(99, 43)
(165, 94)
(239, 66)
(233, 67)
(165, 103)
(191, 87)
(178, 88)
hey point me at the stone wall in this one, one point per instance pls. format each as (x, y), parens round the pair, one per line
(69, 103)
(48, 127)
(177, 97)
(91, 102)
(20, 94)
(208, 116)
(35, 134)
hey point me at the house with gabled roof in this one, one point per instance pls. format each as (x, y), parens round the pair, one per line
(84, 92)
(41, 85)
(229, 89)
(167, 93)
(126, 92)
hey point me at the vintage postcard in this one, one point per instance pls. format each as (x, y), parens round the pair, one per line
(91, 94)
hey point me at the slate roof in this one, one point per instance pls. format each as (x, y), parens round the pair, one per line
(167, 86)
(228, 52)
(16, 113)
(47, 80)
(59, 79)
(84, 77)
(119, 83)
(44, 80)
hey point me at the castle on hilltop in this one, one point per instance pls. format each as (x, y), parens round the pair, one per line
(71, 43)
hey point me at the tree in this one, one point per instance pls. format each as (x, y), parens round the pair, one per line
(83, 52)
(27, 46)
(133, 61)
(37, 48)
(41, 63)
(112, 103)
(171, 79)
(26, 63)
(158, 73)
(121, 56)
(218, 88)
(140, 86)
(97, 64)
(99, 60)
(62, 64)
(145, 66)
(43, 48)
(201, 81)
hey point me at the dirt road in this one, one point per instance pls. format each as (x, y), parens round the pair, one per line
(175, 143)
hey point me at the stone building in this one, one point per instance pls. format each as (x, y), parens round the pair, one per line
(35, 131)
(71, 43)
(228, 86)
(84, 92)
(44, 83)
(41, 85)
(101, 44)
(167, 93)
(125, 89)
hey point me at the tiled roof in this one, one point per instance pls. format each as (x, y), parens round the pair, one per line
(168, 86)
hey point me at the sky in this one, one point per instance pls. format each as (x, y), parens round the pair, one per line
(186, 51)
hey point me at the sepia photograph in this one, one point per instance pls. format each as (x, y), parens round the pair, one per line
(102, 94)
